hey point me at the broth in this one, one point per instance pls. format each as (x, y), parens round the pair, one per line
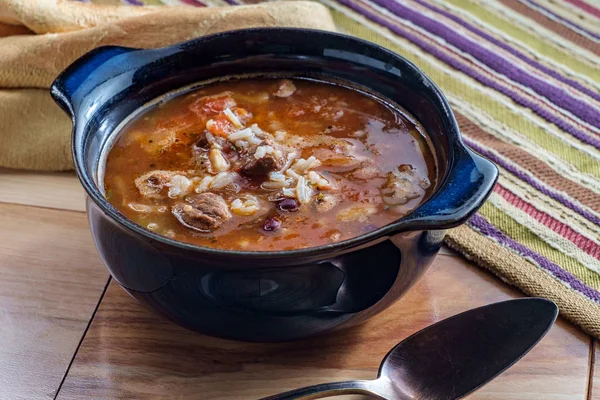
(268, 164)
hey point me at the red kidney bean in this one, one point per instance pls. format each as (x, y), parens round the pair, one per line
(271, 224)
(288, 205)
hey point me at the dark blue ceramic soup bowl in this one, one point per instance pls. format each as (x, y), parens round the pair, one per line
(266, 296)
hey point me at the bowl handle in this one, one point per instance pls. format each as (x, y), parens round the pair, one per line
(468, 184)
(86, 73)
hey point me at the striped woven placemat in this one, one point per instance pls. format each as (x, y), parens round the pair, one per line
(523, 78)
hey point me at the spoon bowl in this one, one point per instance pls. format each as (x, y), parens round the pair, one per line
(453, 357)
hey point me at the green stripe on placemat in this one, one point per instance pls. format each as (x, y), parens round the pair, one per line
(527, 95)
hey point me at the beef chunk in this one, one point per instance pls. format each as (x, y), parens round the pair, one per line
(286, 88)
(152, 183)
(401, 186)
(340, 158)
(263, 165)
(262, 159)
(203, 142)
(366, 173)
(210, 149)
(205, 212)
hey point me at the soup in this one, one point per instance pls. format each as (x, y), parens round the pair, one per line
(268, 164)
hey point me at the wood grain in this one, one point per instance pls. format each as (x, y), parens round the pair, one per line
(52, 280)
(594, 383)
(52, 190)
(131, 353)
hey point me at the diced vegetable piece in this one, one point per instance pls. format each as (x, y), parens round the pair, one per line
(220, 126)
(218, 162)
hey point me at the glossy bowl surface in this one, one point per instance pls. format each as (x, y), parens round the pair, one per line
(277, 295)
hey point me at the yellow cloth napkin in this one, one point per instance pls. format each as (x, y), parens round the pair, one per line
(38, 39)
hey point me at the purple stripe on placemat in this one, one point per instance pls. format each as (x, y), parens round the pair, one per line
(133, 2)
(558, 96)
(505, 46)
(194, 3)
(453, 62)
(486, 228)
(565, 22)
(532, 182)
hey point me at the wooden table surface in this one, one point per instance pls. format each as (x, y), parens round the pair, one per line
(68, 332)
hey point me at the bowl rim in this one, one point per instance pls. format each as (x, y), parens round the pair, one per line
(380, 234)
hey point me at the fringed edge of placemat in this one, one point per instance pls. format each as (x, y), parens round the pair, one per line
(524, 274)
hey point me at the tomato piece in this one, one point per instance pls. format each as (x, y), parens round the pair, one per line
(220, 126)
(210, 105)
(219, 104)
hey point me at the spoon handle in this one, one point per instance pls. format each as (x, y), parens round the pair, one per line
(331, 389)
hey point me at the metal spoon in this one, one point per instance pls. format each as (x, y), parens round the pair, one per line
(451, 358)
